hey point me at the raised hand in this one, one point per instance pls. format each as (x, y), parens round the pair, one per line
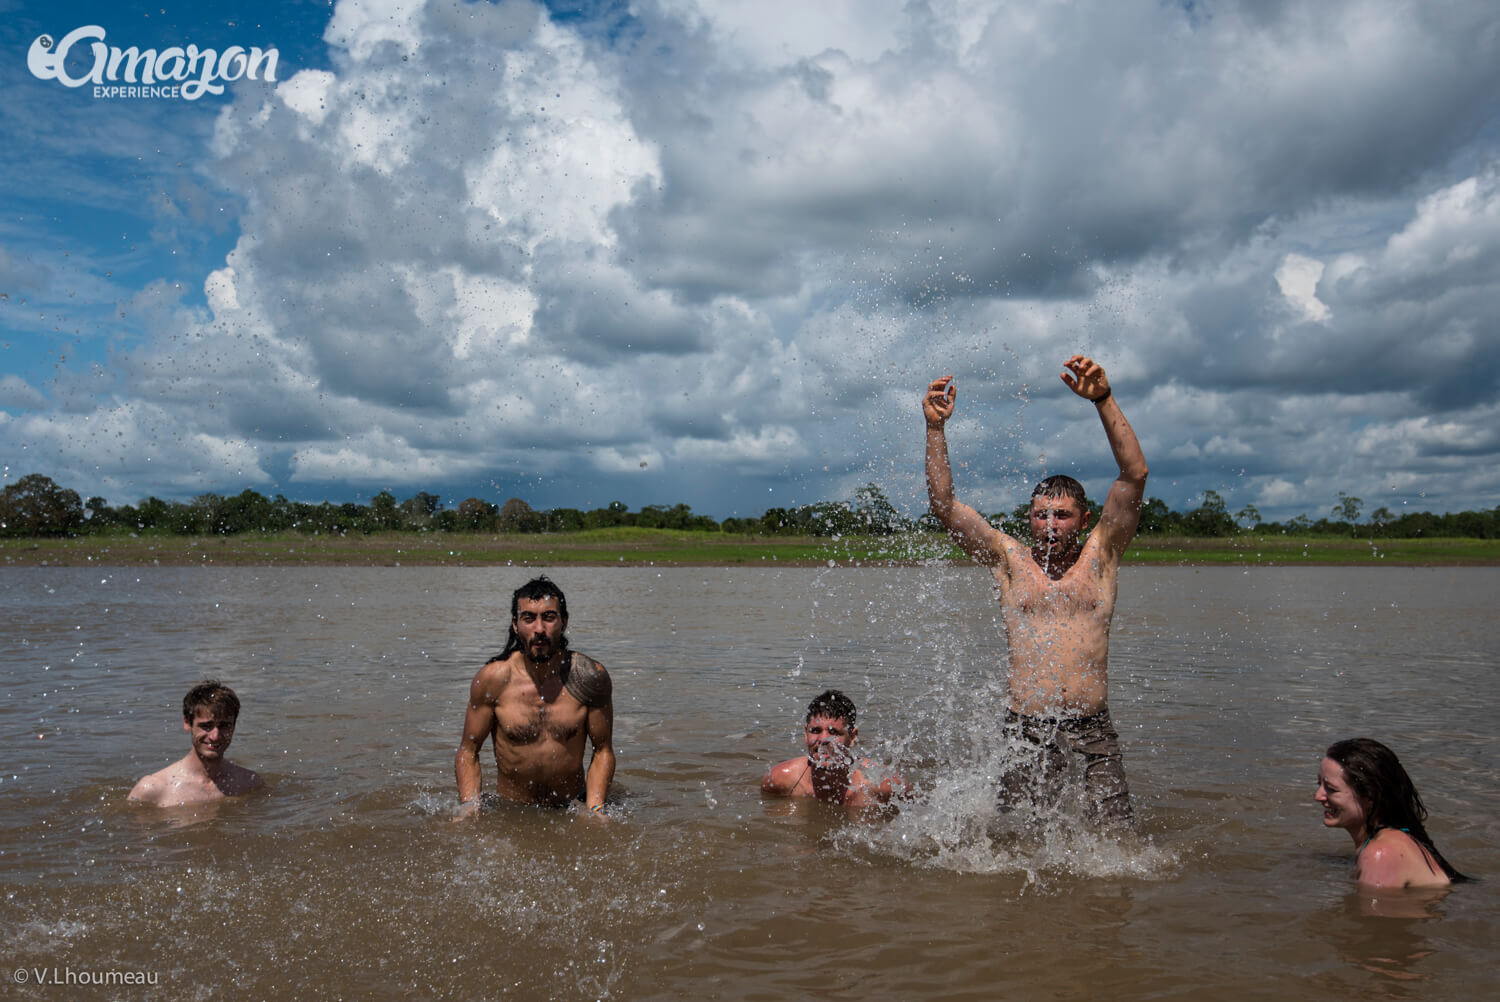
(937, 405)
(1086, 378)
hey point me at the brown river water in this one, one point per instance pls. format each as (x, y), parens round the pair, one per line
(346, 878)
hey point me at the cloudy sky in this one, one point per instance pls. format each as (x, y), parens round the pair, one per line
(710, 252)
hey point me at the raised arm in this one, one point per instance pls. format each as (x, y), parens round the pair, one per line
(601, 727)
(479, 722)
(1122, 506)
(968, 528)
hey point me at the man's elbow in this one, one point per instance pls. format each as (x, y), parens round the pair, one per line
(942, 509)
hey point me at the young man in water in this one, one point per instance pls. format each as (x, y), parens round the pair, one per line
(827, 771)
(209, 714)
(1057, 597)
(538, 702)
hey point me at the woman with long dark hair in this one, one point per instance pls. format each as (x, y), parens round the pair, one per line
(1364, 790)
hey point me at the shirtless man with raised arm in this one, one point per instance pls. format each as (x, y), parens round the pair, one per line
(1057, 597)
(539, 702)
(209, 714)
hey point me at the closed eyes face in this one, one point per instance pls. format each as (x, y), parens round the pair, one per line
(1056, 519)
(828, 740)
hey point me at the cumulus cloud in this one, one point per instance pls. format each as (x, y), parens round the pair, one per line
(1298, 280)
(113, 451)
(484, 247)
(16, 393)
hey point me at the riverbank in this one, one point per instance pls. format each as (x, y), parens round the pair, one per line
(665, 547)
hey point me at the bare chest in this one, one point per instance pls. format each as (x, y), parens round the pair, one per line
(1082, 593)
(526, 713)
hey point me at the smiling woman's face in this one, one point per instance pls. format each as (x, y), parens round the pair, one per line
(1342, 807)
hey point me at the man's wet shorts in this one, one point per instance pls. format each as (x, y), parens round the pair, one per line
(1045, 756)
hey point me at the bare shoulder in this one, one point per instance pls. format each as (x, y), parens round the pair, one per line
(152, 789)
(1395, 859)
(783, 777)
(1003, 557)
(993, 546)
(1012, 549)
(1102, 550)
(491, 678)
(588, 681)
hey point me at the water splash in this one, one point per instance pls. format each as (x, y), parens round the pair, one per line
(944, 737)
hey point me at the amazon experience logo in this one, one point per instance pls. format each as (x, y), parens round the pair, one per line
(173, 73)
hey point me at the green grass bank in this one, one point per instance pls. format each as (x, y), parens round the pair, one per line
(665, 547)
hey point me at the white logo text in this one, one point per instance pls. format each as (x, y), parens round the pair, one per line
(175, 71)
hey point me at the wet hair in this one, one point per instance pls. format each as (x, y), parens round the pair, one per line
(1062, 486)
(832, 703)
(1376, 776)
(535, 590)
(214, 696)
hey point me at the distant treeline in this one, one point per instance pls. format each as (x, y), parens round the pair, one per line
(36, 506)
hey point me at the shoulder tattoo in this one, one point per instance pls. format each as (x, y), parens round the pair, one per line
(588, 682)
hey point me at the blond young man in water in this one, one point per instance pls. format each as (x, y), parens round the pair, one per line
(209, 714)
(827, 771)
(1057, 597)
(539, 703)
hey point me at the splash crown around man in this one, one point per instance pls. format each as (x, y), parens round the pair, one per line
(829, 771)
(1057, 599)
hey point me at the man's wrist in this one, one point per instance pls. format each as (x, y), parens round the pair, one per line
(1101, 398)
